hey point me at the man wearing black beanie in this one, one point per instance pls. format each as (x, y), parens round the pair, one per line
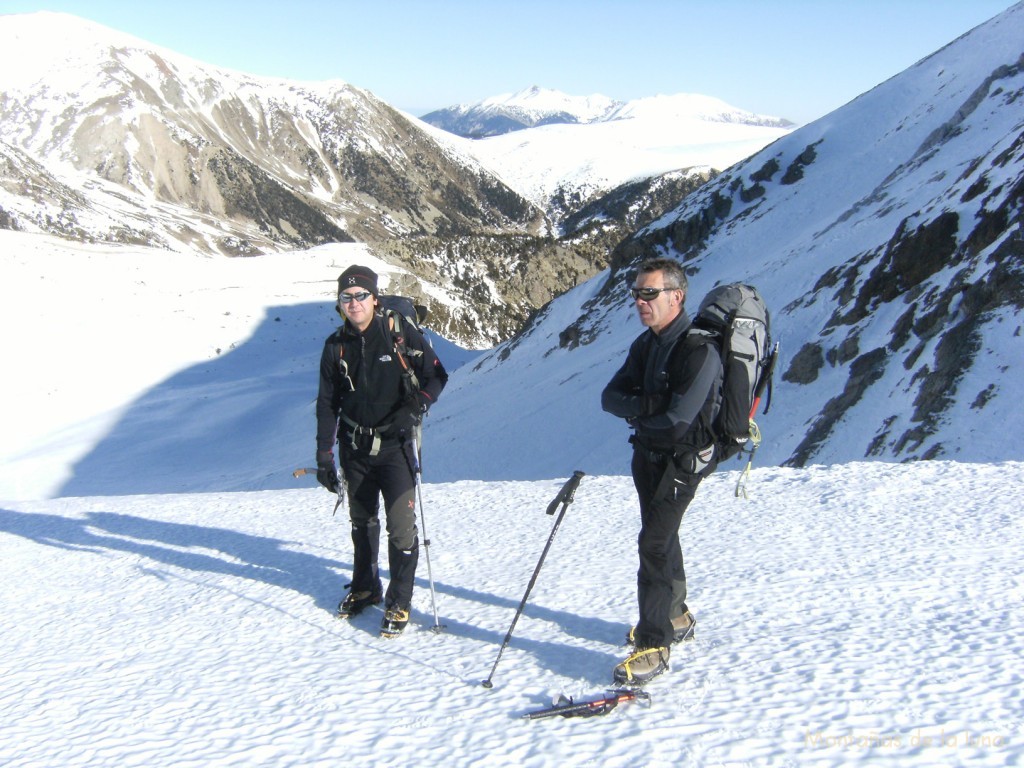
(370, 407)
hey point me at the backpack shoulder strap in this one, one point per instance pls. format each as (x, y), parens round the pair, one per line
(342, 363)
(692, 340)
(410, 382)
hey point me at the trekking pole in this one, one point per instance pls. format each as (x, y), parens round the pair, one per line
(564, 497)
(418, 477)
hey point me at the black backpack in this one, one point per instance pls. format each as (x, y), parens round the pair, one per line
(736, 319)
(402, 309)
(398, 310)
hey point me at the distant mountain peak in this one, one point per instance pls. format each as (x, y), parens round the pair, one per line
(528, 108)
(535, 106)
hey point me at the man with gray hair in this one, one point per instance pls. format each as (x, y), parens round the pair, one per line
(668, 391)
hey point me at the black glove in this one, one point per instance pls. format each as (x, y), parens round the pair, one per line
(654, 404)
(409, 415)
(326, 471)
(406, 419)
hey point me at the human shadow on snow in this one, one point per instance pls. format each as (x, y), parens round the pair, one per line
(283, 564)
(191, 547)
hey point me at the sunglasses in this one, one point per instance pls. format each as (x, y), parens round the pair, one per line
(347, 298)
(648, 294)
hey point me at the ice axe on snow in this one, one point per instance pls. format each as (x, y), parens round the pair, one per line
(564, 497)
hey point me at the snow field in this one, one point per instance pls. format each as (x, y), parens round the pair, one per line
(864, 612)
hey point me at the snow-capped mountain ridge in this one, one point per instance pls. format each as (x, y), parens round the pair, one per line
(133, 144)
(540, 103)
(688, 106)
(534, 107)
(93, 99)
(528, 108)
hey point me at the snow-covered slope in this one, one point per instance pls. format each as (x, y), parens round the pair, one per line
(899, 330)
(854, 615)
(881, 342)
(106, 138)
(138, 366)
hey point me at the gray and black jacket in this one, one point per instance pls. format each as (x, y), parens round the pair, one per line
(669, 390)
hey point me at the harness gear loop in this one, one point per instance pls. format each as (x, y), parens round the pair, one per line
(359, 429)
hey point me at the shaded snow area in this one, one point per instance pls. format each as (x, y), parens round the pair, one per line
(858, 614)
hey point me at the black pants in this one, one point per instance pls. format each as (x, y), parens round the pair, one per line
(388, 474)
(661, 578)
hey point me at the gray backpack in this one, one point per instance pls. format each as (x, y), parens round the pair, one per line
(735, 317)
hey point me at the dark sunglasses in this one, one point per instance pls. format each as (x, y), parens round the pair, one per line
(648, 294)
(346, 298)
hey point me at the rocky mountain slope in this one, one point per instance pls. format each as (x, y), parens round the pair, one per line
(887, 239)
(285, 163)
(106, 138)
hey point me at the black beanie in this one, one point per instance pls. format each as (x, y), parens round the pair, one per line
(356, 276)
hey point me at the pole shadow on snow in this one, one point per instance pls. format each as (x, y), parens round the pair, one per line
(554, 655)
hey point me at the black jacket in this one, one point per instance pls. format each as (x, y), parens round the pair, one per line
(669, 389)
(367, 387)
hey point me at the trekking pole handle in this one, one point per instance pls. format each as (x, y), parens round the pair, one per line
(568, 492)
(304, 471)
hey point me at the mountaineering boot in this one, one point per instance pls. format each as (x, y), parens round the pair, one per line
(355, 602)
(683, 628)
(394, 622)
(642, 665)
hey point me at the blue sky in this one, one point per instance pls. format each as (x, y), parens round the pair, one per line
(798, 59)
